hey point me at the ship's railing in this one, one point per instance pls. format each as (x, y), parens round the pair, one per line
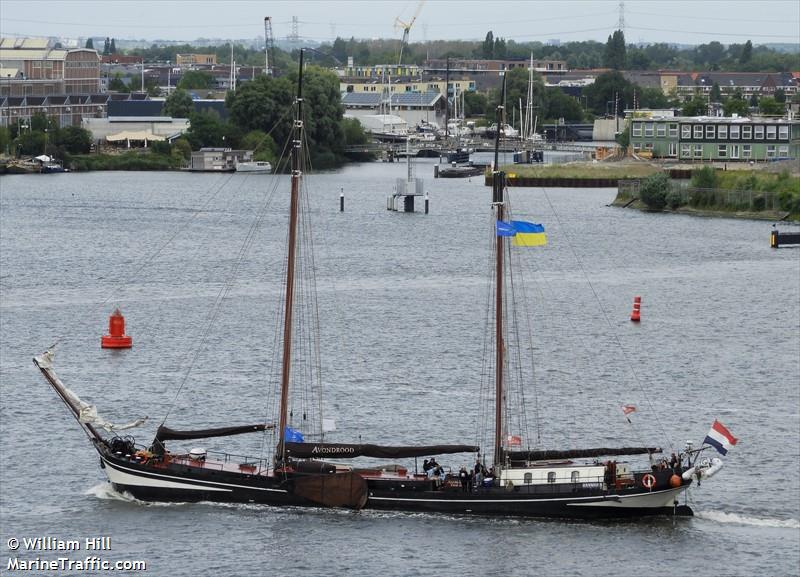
(219, 460)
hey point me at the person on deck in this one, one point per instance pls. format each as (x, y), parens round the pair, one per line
(463, 476)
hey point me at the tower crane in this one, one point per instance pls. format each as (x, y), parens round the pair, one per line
(406, 29)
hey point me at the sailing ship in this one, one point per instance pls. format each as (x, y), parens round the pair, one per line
(573, 483)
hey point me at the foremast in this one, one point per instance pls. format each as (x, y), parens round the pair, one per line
(498, 202)
(297, 173)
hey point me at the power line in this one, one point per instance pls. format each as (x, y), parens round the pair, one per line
(714, 18)
(706, 33)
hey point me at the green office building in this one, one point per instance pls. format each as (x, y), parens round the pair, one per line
(716, 138)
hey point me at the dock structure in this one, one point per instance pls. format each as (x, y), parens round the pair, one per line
(778, 238)
(402, 199)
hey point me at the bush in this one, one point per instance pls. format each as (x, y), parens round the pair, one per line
(673, 199)
(706, 177)
(654, 189)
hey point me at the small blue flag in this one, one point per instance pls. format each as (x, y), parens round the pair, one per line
(292, 436)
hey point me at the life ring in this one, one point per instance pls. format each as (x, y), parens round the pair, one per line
(648, 481)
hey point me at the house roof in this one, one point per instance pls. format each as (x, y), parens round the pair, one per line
(374, 99)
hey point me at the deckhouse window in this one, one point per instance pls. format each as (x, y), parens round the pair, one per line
(648, 129)
(575, 477)
(551, 477)
(528, 478)
(637, 129)
(747, 132)
(661, 130)
(758, 133)
(722, 132)
(734, 132)
(673, 130)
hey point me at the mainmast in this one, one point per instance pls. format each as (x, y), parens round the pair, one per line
(297, 144)
(498, 185)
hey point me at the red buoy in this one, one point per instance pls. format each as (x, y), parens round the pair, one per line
(636, 313)
(116, 339)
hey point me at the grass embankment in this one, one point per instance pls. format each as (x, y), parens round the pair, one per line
(742, 193)
(583, 170)
(125, 161)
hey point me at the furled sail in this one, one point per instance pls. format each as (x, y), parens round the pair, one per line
(306, 450)
(84, 412)
(166, 434)
(547, 455)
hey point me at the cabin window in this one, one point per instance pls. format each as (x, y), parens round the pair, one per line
(575, 477)
(772, 131)
(747, 132)
(710, 131)
(686, 130)
(673, 130)
(734, 132)
(551, 477)
(783, 132)
(758, 132)
(648, 146)
(661, 130)
(722, 132)
(528, 478)
(722, 151)
(648, 129)
(637, 129)
(698, 131)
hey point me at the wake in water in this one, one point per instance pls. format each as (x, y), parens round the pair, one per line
(721, 517)
(107, 492)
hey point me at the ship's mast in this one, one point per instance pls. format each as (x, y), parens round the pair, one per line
(498, 200)
(297, 144)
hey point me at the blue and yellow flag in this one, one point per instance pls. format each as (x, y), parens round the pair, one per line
(528, 234)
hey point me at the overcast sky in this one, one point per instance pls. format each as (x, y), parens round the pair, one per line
(679, 21)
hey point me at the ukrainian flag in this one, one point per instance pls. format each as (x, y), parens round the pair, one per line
(528, 234)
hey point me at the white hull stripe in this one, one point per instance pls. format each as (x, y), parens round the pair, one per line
(608, 500)
(137, 478)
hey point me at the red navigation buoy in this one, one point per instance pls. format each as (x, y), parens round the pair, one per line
(116, 339)
(636, 313)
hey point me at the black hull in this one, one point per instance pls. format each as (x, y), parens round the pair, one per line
(178, 483)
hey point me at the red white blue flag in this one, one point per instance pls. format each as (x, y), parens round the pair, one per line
(720, 438)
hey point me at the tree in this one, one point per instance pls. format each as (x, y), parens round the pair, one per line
(74, 139)
(500, 49)
(771, 107)
(117, 85)
(475, 104)
(107, 46)
(614, 55)
(735, 106)
(716, 95)
(261, 144)
(780, 95)
(488, 46)
(654, 189)
(89, 44)
(196, 79)
(602, 95)
(113, 47)
(262, 104)
(178, 105)
(206, 129)
(747, 53)
(559, 105)
(697, 106)
(754, 100)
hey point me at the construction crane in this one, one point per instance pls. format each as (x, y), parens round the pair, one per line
(406, 29)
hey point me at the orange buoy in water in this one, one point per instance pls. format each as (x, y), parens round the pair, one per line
(636, 313)
(116, 339)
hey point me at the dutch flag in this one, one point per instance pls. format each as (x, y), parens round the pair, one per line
(720, 438)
